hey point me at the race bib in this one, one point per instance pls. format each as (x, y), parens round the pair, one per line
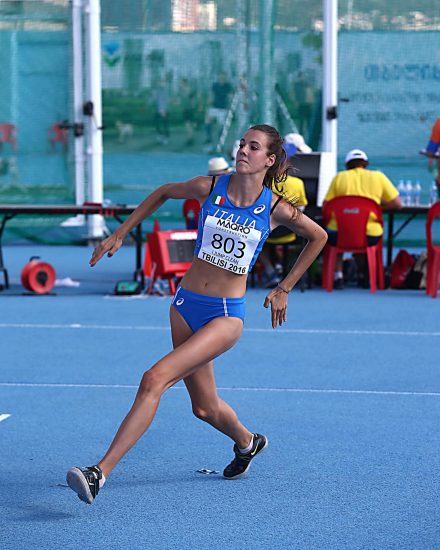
(228, 245)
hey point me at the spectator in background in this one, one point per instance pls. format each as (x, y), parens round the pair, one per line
(221, 95)
(358, 180)
(188, 99)
(303, 98)
(433, 150)
(161, 98)
(217, 166)
(294, 143)
(191, 207)
(293, 190)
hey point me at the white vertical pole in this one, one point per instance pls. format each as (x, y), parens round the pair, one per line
(94, 126)
(330, 81)
(350, 14)
(78, 99)
(242, 117)
(266, 88)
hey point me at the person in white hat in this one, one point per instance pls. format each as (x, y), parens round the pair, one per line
(294, 143)
(191, 207)
(358, 180)
(217, 166)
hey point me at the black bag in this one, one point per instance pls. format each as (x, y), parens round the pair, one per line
(416, 277)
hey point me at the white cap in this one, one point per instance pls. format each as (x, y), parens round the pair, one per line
(218, 165)
(355, 154)
(298, 141)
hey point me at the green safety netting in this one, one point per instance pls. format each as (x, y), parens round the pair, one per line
(182, 79)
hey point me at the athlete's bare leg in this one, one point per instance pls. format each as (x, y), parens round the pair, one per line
(202, 389)
(207, 343)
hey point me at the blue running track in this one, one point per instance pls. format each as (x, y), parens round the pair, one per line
(348, 394)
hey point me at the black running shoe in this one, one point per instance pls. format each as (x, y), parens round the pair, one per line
(85, 482)
(242, 462)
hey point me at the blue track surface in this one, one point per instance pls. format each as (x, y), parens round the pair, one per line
(348, 394)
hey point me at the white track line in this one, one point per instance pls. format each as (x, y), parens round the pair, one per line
(4, 417)
(78, 326)
(278, 390)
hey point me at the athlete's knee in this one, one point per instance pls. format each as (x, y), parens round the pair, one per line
(151, 384)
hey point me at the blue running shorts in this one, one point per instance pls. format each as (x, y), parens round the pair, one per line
(198, 309)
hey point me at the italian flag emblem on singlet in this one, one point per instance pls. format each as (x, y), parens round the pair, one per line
(217, 199)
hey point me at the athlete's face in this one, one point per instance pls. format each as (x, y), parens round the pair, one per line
(252, 156)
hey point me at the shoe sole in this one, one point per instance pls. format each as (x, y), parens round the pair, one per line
(78, 483)
(249, 466)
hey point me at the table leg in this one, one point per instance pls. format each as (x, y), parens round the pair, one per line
(139, 273)
(137, 237)
(2, 265)
(390, 239)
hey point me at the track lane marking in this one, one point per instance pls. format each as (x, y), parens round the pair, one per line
(79, 326)
(243, 389)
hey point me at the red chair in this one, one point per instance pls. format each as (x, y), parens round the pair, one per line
(7, 135)
(58, 134)
(433, 264)
(191, 209)
(352, 213)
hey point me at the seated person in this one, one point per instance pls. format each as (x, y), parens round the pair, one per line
(191, 207)
(292, 189)
(358, 180)
(218, 166)
(271, 256)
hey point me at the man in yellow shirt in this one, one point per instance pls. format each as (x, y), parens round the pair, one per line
(358, 180)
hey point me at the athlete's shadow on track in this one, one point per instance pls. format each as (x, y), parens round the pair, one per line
(27, 506)
(36, 513)
(170, 480)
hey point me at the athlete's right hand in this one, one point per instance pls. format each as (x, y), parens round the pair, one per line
(108, 246)
(277, 300)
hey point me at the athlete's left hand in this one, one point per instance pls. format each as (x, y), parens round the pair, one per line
(277, 299)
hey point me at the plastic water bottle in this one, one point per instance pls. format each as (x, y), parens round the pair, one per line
(409, 193)
(433, 193)
(417, 191)
(402, 191)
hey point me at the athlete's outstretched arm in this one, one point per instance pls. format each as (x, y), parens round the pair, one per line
(288, 216)
(196, 188)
